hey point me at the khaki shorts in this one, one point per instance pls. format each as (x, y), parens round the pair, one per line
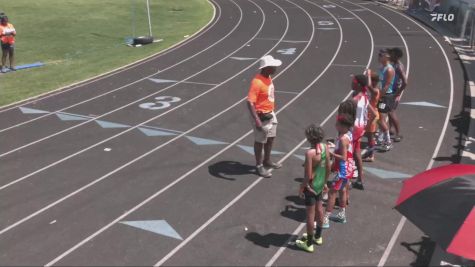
(269, 129)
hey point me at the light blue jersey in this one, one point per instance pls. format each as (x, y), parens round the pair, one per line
(383, 77)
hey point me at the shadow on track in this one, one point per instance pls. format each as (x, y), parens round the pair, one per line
(268, 240)
(424, 254)
(224, 169)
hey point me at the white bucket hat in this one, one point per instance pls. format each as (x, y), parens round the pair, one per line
(269, 61)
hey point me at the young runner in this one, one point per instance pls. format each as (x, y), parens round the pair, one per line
(317, 170)
(359, 86)
(373, 114)
(398, 87)
(260, 102)
(386, 102)
(347, 107)
(343, 166)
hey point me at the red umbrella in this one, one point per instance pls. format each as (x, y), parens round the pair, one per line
(441, 202)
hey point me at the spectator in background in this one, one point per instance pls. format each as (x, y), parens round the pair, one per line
(7, 37)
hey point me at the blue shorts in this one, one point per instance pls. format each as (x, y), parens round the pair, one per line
(338, 184)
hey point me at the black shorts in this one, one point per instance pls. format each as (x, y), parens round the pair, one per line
(7, 46)
(312, 199)
(387, 103)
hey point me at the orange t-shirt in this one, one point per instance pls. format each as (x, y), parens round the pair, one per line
(10, 39)
(261, 93)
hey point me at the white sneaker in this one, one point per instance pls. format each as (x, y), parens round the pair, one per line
(263, 171)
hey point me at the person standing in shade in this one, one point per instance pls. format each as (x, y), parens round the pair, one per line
(261, 105)
(7, 37)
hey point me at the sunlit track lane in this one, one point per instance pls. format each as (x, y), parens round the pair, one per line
(275, 21)
(212, 188)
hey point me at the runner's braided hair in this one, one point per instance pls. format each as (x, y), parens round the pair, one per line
(314, 134)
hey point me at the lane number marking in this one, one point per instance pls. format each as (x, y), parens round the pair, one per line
(161, 102)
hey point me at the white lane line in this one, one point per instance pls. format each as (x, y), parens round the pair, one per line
(283, 41)
(281, 250)
(126, 85)
(200, 83)
(119, 70)
(196, 167)
(286, 92)
(397, 232)
(160, 146)
(138, 125)
(350, 65)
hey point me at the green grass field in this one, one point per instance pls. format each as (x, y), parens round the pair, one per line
(78, 39)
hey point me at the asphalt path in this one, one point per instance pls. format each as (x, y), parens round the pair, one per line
(81, 162)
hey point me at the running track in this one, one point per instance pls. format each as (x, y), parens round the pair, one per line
(80, 162)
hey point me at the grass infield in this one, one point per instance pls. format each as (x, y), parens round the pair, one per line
(79, 39)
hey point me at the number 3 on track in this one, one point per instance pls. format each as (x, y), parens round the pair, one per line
(161, 102)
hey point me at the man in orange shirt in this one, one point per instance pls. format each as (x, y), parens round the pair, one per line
(260, 102)
(7, 37)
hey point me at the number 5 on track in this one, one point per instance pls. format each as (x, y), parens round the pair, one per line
(161, 102)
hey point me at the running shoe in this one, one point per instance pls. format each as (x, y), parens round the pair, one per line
(303, 245)
(263, 171)
(273, 165)
(386, 147)
(397, 138)
(358, 185)
(318, 241)
(326, 222)
(340, 217)
(4, 70)
(12, 68)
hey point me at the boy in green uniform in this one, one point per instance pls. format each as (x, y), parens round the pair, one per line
(317, 169)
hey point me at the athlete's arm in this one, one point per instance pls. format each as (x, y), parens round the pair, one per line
(251, 101)
(344, 150)
(328, 166)
(403, 76)
(252, 109)
(371, 88)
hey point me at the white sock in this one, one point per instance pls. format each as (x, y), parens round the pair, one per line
(387, 136)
